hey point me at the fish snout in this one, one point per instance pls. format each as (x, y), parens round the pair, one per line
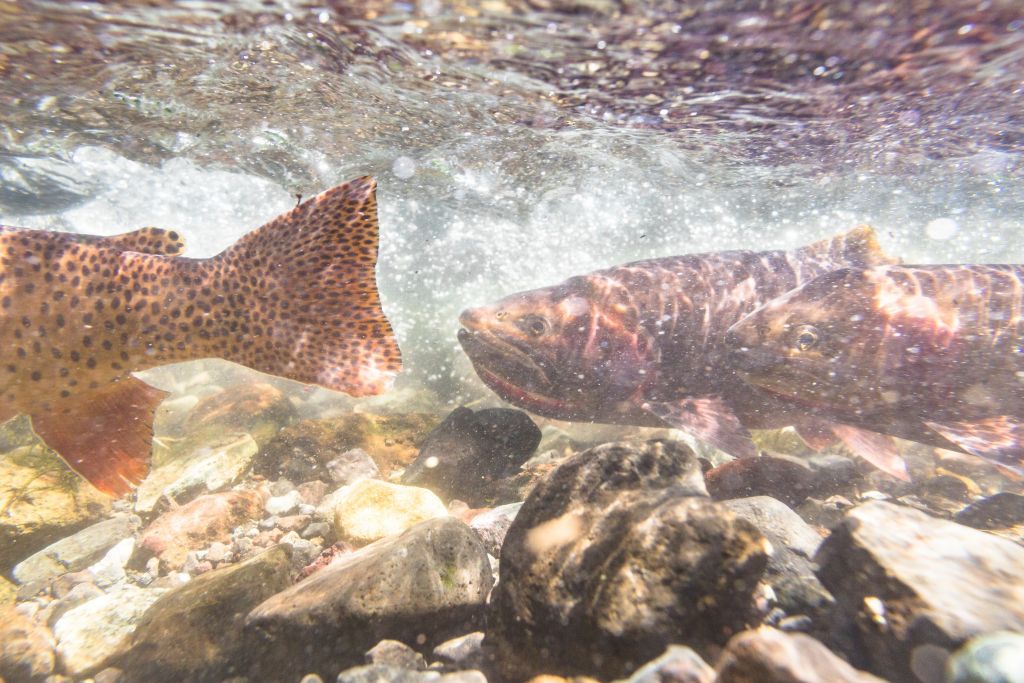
(745, 353)
(476, 319)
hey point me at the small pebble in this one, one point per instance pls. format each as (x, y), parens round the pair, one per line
(283, 504)
(281, 487)
(268, 523)
(317, 529)
(217, 552)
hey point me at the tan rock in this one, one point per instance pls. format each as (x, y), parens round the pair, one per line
(371, 510)
(195, 525)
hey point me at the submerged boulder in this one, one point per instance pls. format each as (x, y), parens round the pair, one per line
(194, 632)
(470, 450)
(424, 586)
(77, 551)
(616, 555)
(907, 584)
(370, 510)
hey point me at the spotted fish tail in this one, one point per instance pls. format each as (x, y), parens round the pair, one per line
(300, 295)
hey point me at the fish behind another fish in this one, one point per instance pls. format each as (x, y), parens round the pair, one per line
(78, 314)
(933, 354)
(644, 343)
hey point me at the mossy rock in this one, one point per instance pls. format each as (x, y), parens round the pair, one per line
(300, 452)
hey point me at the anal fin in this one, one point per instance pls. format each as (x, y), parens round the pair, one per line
(708, 418)
(996, 439)
(817, 434)
(877, 449)
(105, 434)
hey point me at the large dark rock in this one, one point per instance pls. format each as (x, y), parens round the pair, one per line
(194, 632)
(783, 477)
(793, 544)
(614, 556)
(907, 584)
(770, 656)
(1002, 513)
(469, 450)
(424, 586)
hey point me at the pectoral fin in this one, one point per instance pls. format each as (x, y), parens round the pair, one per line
(708, 418)
(996, 439)
(877, 449)
(106, 434)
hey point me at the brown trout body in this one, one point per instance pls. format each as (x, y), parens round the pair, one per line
(934, 354)
(78, 314)
(643, 343)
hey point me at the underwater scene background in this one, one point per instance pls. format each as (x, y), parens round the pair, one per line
(289, 532)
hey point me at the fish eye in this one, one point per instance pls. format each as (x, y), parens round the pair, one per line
(806, 337)
(534, 325)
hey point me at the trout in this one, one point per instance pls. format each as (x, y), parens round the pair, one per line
(644, 343)
(933, 354)
(296, 298)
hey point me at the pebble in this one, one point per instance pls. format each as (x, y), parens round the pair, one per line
(493, 525)
(351, 466)
(283, 504)
(26, 648)
(312, 492)
(217, 552)
(268, 523)
(110, 570)
(464, 652)
(679, 664)
(317, 530)
(992, 658)
(395, 654)
(281, 487)
(770, 656)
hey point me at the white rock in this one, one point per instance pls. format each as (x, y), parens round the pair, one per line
(371, 510)
(90, 634)
(283, 505)
(110, 569)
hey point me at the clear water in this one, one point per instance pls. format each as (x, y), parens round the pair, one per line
(517, 147)
(519, 142)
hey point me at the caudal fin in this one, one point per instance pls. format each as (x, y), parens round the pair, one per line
(857, 247)
(300, 295)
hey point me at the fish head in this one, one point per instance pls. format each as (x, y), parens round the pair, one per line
(574, 351)
(816, 344)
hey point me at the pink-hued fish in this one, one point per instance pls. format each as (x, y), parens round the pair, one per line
(78, 314)
(933, 354)
(644, 343)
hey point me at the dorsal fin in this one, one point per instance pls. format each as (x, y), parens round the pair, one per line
(148, 240)
(857, 247)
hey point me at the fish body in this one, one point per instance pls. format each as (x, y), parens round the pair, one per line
(78, 314)
(643, 343)
(934, 354)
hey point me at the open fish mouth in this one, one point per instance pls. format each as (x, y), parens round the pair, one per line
(509, 371)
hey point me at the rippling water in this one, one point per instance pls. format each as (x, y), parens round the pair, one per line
(520, 142)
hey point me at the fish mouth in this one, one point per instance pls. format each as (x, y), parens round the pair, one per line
(509, 371)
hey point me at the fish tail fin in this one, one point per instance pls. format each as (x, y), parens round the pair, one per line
(300, 295)
(105, 434)
(857, 247)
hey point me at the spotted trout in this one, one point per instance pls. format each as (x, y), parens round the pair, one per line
(933, 354)
(644, 343)
(296, 297)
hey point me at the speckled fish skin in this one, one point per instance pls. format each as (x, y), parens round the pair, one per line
(642, 343)
(296, 298)
(934, 354)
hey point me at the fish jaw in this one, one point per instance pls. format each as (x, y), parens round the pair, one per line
(507, 370)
